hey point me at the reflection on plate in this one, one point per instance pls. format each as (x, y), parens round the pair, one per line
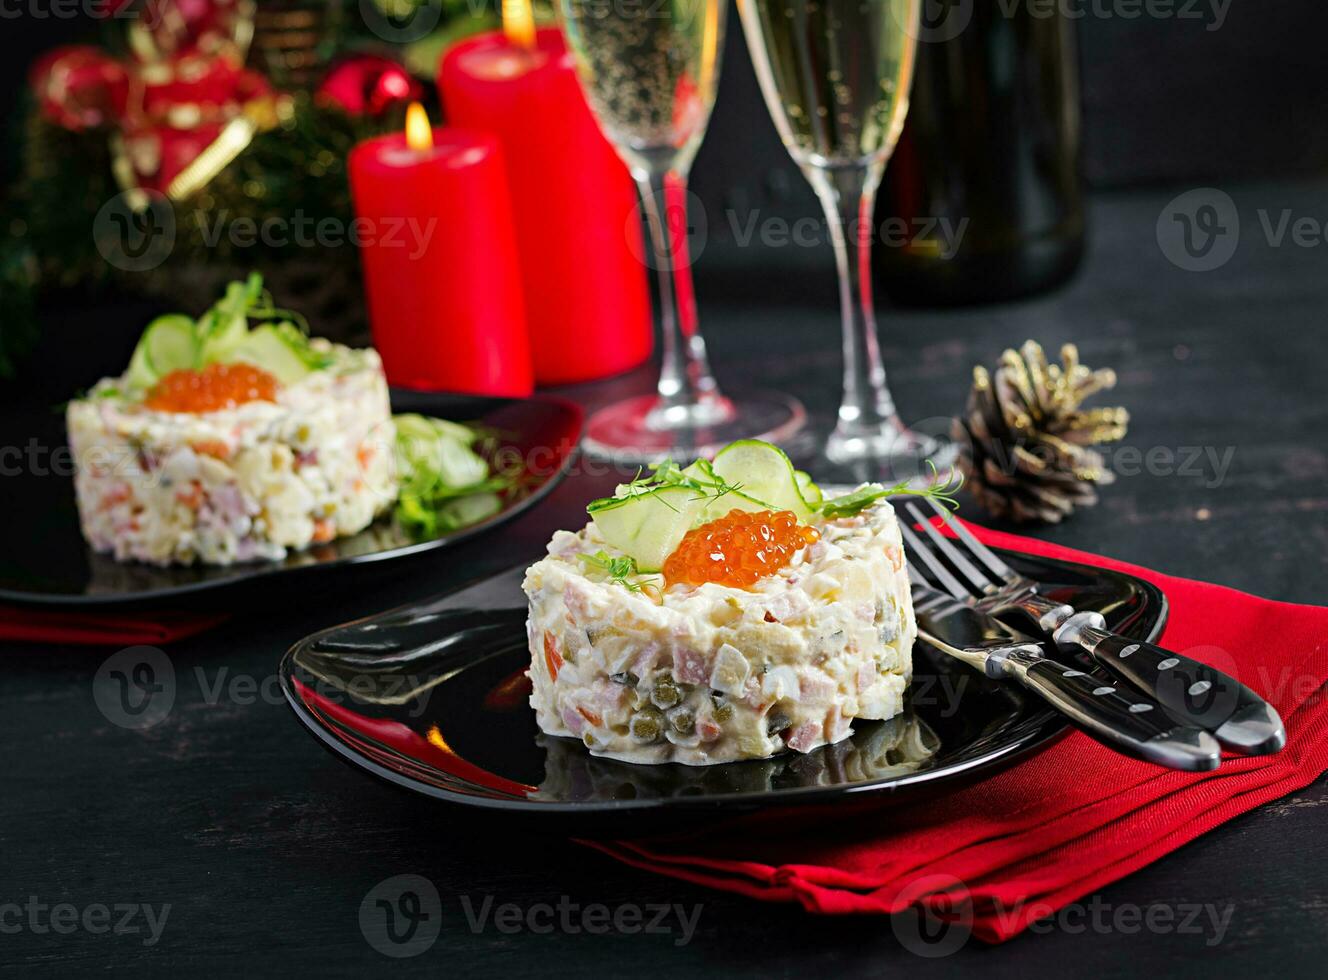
(877, 750)
(433, 697)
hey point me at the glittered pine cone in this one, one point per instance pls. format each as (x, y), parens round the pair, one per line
(1025, 442)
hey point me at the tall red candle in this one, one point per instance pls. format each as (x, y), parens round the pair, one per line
(587, 298)
(440, 263)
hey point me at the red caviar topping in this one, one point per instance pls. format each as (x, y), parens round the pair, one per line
(216, 387)
(738, 549)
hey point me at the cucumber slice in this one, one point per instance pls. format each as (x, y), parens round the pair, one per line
(465, 511)
(140, 376)
(429, 455)
(414, 428)
(647, 526)
(455, 430)
(458, 466)
(717, 507)
(170, 343)
(811, 493)
(763, 472)
(274, 351)
(222, 335)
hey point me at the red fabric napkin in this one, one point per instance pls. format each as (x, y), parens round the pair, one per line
(1025, 843)
(19, 623)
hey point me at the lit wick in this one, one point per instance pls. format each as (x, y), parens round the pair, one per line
(519, 23)
(419, 134)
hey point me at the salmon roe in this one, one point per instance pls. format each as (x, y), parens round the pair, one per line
(738, 549)
(216, 387)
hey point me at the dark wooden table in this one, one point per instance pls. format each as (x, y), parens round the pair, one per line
(264, 846)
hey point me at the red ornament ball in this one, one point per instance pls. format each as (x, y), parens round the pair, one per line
(79, 87)
(369, 85)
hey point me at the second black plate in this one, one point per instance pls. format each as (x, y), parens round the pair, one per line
(46, 561)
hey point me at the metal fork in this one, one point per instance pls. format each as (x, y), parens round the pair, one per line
(1192, 692)
(1119, 718)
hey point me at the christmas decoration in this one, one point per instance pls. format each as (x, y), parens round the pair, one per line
(180, 108)
(369, 85)
(1025, 441)
(175, 121)
(79, 87)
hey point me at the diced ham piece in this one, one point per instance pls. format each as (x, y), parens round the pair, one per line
(805, 736)
(689, 666)
(573, 720)
(814, 686)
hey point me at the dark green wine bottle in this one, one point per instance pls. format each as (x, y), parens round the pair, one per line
(983, 200)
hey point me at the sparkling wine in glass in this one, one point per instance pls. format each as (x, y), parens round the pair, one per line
(649, 71)
(836, 75)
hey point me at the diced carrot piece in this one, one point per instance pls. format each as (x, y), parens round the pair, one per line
(211, 447)
(193, 499)
(324, 530)
(591, 717)
(117, 496)
(552, 659)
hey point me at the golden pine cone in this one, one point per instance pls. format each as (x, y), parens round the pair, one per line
(1025, 443)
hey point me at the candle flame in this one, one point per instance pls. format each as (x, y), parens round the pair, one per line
(419, 134)
(519, 23)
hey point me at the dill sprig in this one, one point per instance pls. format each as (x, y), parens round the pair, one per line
(620, 569)
(700, 478)
(859, 500)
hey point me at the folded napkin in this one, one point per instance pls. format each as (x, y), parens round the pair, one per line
(23, 624)
(1029, 841)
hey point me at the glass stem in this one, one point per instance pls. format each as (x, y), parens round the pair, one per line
(689, 397)
(867, 414)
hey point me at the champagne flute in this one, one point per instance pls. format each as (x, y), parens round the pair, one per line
(649, 71)
(836, 76)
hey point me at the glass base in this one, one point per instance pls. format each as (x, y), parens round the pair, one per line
(889, 454)
(637, 431)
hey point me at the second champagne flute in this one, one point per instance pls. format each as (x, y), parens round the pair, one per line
(836, 75)
(649, 71)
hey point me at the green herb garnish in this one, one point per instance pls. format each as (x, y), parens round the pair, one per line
(859, 500)
(621, 570)
(445, 484)
(700, 477)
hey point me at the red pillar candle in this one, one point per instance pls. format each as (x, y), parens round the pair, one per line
(587, 298)
(434, 224)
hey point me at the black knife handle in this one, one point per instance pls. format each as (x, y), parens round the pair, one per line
(1126, 722)
(1193, 693)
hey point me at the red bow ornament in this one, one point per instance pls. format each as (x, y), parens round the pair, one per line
(181, 107)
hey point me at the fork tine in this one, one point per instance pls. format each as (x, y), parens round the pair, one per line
(942, 574)
(979, 550)
(980, 580)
